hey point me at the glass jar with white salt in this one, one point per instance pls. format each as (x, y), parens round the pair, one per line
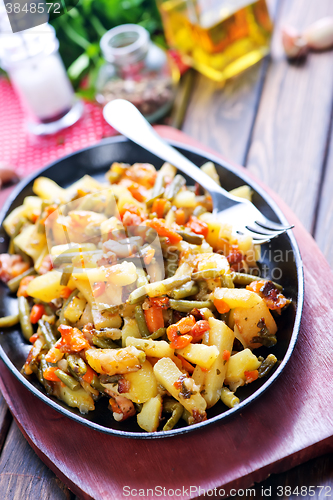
(35, 68)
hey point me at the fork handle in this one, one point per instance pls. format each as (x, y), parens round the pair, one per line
(127, 119)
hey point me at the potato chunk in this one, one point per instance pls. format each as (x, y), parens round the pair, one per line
(237, 297)
(46, 287)
(246, 321)
(221, 336)
(115, 361)
(238, 364)
(152, 348)
(167, 374)
(149, 417)
(200, 354)
(143, 384)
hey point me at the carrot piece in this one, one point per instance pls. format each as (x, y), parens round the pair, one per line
(33, 338)
(251, 376)
(37, 312)
(49, 374)
(162, 230)
(180, 217)
(221, 306)
(226, 355)
(177, 333)
(154, 318)
(89, 375)
(197, 226)
(65, 292)
(73, 339)
(19, 268)
(148, 255)
(22, 291)
(199, 329)
(159, 206)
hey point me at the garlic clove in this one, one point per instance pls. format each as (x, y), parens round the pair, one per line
(293, 43)
(319, 35)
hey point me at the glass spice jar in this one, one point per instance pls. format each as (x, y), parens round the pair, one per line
(136, 70)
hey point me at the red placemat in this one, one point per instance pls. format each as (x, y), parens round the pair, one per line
(289, 424)
(26, 152)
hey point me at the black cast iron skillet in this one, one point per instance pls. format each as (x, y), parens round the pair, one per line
(281, 261)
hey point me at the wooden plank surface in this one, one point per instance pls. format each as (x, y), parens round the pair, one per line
(5, 420)
(324, 223)
(23, 476)
(290, 133)
(222, 117)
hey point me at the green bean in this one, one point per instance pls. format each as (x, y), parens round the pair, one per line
(187, 416)
(138, 295)
(158, 188)
(66, 258)
(62, 319)
(267, 365)
(46, 329)
(175, 186)
(207, 274)
(43, 365)
(229, 398)
(141, 321)
(158, 334)
(24, 314)
(199, 210)
(169, 404)
(14, 283)
(108, 333)
(8, 321)
(150, 202)
(186, 290)
(67, 379)
(164, 286)
(188, 305)
(96, 384)
(194, 239)
(177, 413)
(104, 343)
(76, 364)
(171, 265)
(66, 275)
(245, 279)
(203, 290)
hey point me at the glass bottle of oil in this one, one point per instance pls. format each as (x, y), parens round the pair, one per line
(220, 38)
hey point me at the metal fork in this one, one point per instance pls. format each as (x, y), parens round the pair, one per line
(241, 214)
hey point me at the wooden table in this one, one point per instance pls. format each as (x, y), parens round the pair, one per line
(276, 119)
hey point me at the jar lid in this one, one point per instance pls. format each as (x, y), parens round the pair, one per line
(125, 44)
(17, 47)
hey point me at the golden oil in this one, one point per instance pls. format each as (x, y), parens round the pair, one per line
(220, 38)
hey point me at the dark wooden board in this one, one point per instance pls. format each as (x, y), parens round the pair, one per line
(291, 423)
(291, 129)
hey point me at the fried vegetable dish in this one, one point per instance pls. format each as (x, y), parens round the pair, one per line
(132, 290)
